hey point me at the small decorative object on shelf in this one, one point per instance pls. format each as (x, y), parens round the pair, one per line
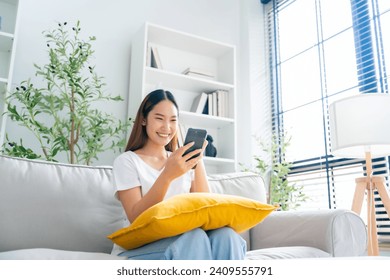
(211, 150)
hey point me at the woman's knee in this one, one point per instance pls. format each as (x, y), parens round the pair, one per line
(226, 244)
(224, 233)
(191, 245)
(197, 234)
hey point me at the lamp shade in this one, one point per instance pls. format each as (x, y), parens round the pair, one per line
(360, 124)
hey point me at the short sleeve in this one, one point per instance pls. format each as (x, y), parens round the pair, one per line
(125, 173)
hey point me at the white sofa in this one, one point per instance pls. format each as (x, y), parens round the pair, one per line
(62, 211)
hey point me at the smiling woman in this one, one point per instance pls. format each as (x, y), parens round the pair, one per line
(138, 136)
(153, 169)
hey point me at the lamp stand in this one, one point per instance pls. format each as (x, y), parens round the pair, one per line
(370, 183)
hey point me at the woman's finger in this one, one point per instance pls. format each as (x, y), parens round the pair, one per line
(180, 151)
(196, 153)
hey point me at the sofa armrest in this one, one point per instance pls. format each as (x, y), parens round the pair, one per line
(339, 232)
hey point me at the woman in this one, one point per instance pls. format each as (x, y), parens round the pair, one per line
(152, 169)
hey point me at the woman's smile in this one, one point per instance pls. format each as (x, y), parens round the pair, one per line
(164, 135)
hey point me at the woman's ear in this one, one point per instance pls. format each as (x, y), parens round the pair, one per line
(143, 122)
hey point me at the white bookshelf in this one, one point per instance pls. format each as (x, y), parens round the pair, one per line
(8, 14)
(177, 51)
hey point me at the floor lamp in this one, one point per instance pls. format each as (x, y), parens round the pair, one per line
(360, 128)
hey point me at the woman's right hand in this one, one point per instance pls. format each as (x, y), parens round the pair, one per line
(177, 164)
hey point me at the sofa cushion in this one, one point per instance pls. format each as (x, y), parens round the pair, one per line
(291, 252)
(185, 212)
(246, 184)
(58, 206)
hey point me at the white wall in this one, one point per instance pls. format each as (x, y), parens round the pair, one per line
(115, 22)
(253, 82)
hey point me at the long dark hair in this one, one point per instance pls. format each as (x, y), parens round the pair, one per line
(138, 136)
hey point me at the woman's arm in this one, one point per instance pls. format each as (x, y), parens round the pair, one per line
(134, 203)
(132, 200)
(200, 182)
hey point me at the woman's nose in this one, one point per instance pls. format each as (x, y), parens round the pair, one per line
(166, 125)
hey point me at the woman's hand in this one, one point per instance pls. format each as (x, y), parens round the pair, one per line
(199, 154)
(177, 164)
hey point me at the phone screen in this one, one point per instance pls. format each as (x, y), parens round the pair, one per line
(195, 135)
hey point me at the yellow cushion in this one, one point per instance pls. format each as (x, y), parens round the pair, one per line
(185, 212)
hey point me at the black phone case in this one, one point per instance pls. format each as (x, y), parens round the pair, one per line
(195, 135)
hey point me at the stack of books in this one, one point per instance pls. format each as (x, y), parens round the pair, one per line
(215, 103)
(198, 73)
(218, 103)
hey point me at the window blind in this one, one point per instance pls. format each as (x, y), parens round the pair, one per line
(321, 51)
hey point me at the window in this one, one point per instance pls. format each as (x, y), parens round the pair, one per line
(324, 50)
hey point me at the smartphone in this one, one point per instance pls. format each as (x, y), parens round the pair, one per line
(195, 135)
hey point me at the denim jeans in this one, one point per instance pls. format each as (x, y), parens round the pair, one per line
(197, 244)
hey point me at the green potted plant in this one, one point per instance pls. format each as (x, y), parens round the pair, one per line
(60, 113)
(282, 193)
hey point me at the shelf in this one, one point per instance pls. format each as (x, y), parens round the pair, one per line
(206, 121)
(176, 52)
(217, 160)
(189, 42)
(9, 9)
(174, 80)
(3, 89)
(218, 165)
(5, 56)
(6, 40)
(6, 34)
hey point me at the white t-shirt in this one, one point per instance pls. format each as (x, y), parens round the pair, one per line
(131, 171)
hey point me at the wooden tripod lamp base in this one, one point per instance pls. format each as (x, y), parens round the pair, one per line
(369, 184)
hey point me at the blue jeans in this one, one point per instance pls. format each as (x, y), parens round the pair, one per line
(197, 244)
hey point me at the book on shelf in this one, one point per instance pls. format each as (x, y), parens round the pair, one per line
(206, 107)
(215, 103)
(210, 106)
(155, 58)
(223, 104)
(190, 71)
(148, 55)
(218, 103)
(199, 103)
(200, 76)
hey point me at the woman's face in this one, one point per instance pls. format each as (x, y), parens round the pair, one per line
(161, 123)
